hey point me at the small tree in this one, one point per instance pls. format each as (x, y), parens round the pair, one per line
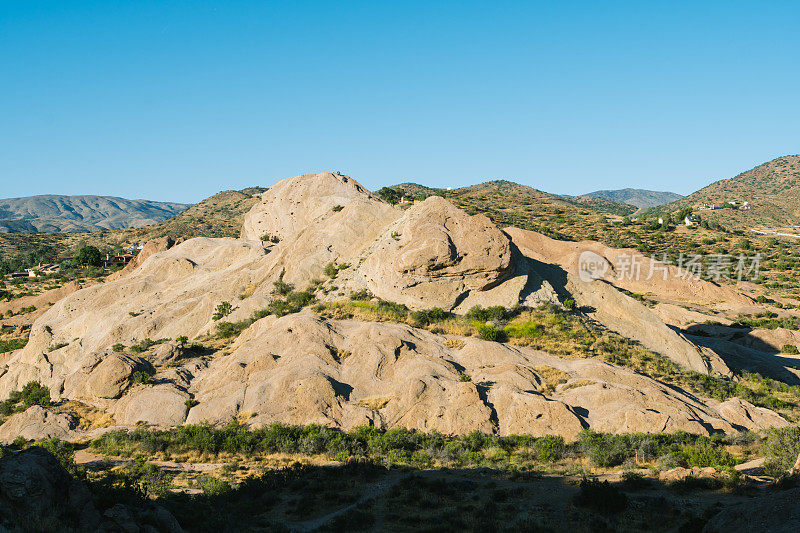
(89, 255)
(222, 310)
(389, 195)
(35, 394)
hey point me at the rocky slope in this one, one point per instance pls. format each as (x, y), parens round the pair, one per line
(302, 368)
(53, 213)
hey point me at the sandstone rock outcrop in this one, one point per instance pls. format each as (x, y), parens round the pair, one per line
(305, 369)
(149, 248)
(348, 373)
(36, 493)
(37, 423)
(435, 255)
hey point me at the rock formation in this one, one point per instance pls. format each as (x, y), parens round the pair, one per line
(302, 368)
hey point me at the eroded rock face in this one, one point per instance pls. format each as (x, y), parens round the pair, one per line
(317, 219)
(748, 416)
(173, 293)
(304, 369)
(150, 247)
(159, 405)
(436, 254)
(36, 493)
(612, 308)
(37, 423)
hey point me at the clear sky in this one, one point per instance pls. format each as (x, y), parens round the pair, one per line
(175, 101)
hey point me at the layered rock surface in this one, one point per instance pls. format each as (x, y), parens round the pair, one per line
(305, 369)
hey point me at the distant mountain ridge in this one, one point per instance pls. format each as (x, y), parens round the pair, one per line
(523, 193)
(54, 213)
(640, 198)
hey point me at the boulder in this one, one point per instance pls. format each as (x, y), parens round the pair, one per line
(113, 375)
(167, 352)
(37, 423)
(37, 494)
(435, 255)
(161, 405)
(745, 415)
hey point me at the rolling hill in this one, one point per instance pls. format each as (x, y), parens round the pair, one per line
(771, 190)
(640, 198)
(504, 191)
(56, 214)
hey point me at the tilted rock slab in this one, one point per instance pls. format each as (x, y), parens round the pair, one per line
(303, 369)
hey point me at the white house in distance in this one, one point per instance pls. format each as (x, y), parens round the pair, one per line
(691, 221)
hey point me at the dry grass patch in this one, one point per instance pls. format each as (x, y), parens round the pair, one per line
(577, 383)
(551, 377)
(88, 417)
(374, 404)
(456, 344)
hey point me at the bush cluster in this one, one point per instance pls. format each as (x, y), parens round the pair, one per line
(33, 393)
(416, 448)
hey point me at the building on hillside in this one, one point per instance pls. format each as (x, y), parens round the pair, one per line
(122, 259)
(43, 269)
(691, 221)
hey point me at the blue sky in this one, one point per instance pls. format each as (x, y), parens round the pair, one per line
(177, 100)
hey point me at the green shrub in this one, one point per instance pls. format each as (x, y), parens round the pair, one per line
(549, 449)
(33, 393)
(281, 287)
(231, 329)
(781, 449)
(118, 347)
(330, 270)
(790, 349)
(703, 453)
(398, 311)
(489, 332)
(601, 496)
(141, 377)
(361, 296)
(190, 402)
(12, 344)
(570, 305)
(429, 316)
(524, 330)
(222, 310)
(495, 313)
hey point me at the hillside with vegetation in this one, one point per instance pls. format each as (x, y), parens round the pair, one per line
(771, 190)
(640, 198)
(220, 215)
